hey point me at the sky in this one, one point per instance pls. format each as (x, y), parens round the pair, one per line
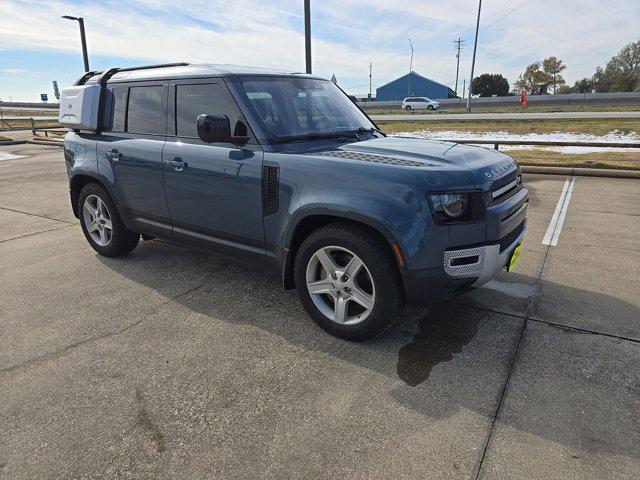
(37, 46)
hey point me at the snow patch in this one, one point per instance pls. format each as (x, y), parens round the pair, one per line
(615, 136)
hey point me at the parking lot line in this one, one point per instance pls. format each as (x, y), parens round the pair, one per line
(557, 220)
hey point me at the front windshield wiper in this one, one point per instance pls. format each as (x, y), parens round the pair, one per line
(318, 136)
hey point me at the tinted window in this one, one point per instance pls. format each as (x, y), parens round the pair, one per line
(116, 114)
(194, 100)
(294, 106)
(145, 110)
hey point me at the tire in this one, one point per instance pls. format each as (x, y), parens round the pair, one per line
(429, 107)
(120, 240)
(377, 281)
(407, 108)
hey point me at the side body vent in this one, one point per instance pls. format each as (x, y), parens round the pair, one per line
(270, 189)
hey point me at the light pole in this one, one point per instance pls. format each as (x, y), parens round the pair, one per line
(85, 56)
(307, 33)
(370, 67)
(473, 62)
(410, 67)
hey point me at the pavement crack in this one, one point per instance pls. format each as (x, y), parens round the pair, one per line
(58, 353)
(514, 359)
(36, 215)
(35, 233)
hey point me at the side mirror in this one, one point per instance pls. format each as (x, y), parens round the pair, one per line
(216, 128)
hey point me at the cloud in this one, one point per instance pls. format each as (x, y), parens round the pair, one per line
(347, 34)
(15, 71)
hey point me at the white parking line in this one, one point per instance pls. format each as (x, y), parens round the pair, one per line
(9, 156)
(555, 226)
(6, 166)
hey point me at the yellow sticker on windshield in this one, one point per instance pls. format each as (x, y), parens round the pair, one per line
(515, 258)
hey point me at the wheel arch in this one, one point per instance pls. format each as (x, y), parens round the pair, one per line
(79, 181)
(312, 220)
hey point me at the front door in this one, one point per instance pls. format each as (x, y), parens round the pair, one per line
(213, 191)
(130, 153)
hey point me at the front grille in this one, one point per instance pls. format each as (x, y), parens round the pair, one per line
(499, 194)
(510, 237)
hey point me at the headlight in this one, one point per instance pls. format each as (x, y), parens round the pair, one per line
(456, 207)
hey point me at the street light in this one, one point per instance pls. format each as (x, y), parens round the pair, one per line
(473, 62)
(410, 66)
(85, 57)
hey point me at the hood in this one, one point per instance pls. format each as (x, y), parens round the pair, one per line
(488, 166)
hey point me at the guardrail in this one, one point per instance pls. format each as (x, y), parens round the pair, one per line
(559, 100)
(541, 143)
(6, 124)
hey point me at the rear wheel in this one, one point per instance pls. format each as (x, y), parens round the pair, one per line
(348, 282)
(101, 223)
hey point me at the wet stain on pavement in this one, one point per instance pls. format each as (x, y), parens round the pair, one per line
(442, 333)
(144, 421)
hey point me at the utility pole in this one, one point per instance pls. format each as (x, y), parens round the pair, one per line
(473, 62)
(464, 83)
(410, 67)
(83, 40)
(459, 43)
(307, 33)
(370, 66)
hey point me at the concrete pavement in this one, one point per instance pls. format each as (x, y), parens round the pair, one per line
(171, 363)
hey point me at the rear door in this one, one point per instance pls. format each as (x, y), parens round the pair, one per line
(130, 154)
(213, 190)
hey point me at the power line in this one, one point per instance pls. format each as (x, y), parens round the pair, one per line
(508, 12)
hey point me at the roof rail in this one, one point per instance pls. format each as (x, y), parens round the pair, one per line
(107, 74)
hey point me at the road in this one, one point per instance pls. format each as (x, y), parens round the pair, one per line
(171, 363)
(503, 116)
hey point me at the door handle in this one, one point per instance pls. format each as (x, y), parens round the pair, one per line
(114, 155)
(177, 163)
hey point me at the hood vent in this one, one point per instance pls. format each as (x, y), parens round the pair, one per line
(368, 157)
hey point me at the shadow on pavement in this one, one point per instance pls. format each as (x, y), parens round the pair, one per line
(449, 356)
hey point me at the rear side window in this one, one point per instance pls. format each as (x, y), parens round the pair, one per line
(118, 108)
(145, 110)
(195, 100)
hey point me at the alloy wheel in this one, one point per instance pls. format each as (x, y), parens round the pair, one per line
(97, 220)
(340, 285)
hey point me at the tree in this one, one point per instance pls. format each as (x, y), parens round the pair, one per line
(531, 79)
(585, 85)
(553, 69)
(488, 84)
(622, 72)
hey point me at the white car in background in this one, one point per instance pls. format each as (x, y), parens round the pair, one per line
(415, 103)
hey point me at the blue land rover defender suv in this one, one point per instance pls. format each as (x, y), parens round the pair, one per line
(285, 170)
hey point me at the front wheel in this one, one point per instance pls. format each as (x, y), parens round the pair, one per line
(407, 108)
(429, 107)
(348, 282)
(101, 223)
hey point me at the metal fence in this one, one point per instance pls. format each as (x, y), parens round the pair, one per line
(560, 100)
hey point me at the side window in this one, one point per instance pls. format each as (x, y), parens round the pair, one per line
(118, 107)
(145, 110)
(194, 100)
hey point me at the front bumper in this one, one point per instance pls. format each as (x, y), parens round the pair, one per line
(481, 263)
(462, 271)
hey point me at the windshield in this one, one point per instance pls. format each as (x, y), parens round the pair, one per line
(292, 107)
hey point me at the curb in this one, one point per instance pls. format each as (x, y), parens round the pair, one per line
(13, 142)
(584, 172)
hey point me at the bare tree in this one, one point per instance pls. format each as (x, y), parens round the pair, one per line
(553, 68)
